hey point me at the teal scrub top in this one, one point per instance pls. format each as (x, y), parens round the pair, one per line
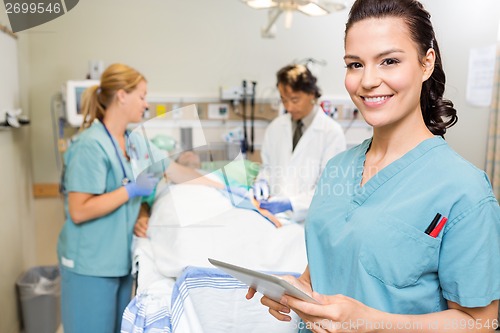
(368, 242)
(101, 247)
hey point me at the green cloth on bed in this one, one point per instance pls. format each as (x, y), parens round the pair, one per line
(237, 176)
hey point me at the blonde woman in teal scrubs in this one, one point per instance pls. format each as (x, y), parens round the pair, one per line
(102, 201)
(403, 234)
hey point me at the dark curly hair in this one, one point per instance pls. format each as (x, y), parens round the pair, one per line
(299, 78)
(438, 113)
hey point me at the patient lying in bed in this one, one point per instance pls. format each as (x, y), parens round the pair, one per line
(190, 223)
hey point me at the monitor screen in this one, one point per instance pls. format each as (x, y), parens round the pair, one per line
(73, 96)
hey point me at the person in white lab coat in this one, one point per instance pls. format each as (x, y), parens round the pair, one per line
(294, 154)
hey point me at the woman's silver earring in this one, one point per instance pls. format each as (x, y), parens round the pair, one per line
(313, 101)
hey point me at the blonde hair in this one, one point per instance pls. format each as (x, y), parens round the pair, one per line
(96, 99)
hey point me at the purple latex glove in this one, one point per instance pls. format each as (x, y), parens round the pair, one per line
(143, 186)
(276, 204)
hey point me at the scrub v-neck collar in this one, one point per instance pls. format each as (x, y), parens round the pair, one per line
(361, 193)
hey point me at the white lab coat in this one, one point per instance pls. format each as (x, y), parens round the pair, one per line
(295, 175)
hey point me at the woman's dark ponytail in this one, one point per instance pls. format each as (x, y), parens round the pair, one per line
(438, 112)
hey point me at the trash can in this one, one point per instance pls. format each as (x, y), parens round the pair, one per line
(39, 291)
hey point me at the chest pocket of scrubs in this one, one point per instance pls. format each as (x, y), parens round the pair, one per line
(397, 253)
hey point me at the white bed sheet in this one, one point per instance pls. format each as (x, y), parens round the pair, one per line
(191, 223)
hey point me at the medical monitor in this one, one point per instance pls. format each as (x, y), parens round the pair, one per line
(73, 91)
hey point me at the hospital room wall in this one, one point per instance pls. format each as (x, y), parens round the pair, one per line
(17, 229)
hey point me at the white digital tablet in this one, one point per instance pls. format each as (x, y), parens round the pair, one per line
(272, 286)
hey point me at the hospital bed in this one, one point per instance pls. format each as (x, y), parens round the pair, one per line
(179, 291)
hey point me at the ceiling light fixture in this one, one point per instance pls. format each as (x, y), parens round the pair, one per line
(308, 7)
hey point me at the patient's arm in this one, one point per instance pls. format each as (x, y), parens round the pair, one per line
(178, 173)
(141, 225)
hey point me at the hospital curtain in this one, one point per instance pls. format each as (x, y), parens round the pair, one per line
(493, 150)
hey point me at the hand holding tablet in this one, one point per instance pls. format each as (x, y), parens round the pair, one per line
(272, 286)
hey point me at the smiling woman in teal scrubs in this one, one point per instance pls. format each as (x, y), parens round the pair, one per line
(403, 234)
